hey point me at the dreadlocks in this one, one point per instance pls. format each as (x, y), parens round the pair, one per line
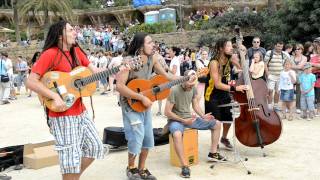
(219, 51)
(55, 31)
(52, 40)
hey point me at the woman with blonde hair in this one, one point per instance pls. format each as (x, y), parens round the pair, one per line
(298, 62)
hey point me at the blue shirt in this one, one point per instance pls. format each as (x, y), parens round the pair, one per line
(306, 82)
(3, 69)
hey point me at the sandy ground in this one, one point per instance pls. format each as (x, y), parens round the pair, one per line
(294, 156)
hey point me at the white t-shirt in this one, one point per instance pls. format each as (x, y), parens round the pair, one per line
(9, 67)
(93, 60)
(116, 61)
(175, 62)
(103, 62)
(200, 65)
(285, 80)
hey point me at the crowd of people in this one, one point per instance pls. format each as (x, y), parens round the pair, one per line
(290, 72)
(263, 64)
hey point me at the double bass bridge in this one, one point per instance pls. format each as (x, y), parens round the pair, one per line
(254, 109)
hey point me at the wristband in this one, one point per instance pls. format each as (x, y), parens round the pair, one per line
(232, 88)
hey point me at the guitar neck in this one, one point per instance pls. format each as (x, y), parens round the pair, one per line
(100, 75)
(171, 84)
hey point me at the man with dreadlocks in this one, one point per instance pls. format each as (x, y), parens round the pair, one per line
(77, 140)
(218, 88)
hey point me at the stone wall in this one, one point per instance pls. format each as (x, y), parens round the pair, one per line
(191, 38)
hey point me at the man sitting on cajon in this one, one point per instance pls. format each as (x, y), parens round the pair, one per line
(178, 112)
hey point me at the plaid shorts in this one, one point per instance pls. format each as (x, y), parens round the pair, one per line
(76, 137)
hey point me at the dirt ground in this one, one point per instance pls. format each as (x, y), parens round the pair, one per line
(294, 156)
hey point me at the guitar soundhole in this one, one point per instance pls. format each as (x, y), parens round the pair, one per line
(78, 83)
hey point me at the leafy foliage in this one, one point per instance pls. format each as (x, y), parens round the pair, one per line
(235, 18)
(63, 7)
(122, 2)
(163, 27)
(296, 21)
(299, 19)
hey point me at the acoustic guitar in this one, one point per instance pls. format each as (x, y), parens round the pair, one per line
(157, 88)
(80, 82)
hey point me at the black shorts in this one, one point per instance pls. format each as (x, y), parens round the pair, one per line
(220, 113)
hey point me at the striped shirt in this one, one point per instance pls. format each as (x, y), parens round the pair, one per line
(275, 65)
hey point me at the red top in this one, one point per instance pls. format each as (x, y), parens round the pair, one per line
(316, 60)
(54, 60)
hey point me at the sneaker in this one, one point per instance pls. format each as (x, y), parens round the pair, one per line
(185, 172)
(216, 157)
(5, 102)
(145, 174)
(226, 143)
(298, 111)
(303, 117)
(5, 177)
(133, 173)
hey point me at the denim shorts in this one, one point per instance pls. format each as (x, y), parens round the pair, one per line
(287, 95)
(138, 129)
(307, 103)
(199, 124)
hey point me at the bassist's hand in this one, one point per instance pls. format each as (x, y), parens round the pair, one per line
(59, 104)
(146, 102)
(242, 88)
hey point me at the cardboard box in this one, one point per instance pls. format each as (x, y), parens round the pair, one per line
(39, 155)
(190, 147)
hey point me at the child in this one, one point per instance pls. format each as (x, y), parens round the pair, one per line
(257, 66)
(307, 82)
(286, 87)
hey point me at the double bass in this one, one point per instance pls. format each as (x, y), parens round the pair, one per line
(257, 125)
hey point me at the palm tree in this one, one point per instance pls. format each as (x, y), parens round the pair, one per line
(45, 6)
(16, 20)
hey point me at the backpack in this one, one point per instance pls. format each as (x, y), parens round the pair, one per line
(271, 55)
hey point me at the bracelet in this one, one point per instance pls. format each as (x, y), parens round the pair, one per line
(232, 88)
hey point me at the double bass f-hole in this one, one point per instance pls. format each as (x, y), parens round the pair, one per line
(266, 113)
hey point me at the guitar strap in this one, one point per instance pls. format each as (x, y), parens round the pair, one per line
(74, 63)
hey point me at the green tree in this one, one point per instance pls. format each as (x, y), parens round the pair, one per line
(298, 20)
(272, 6)
(43, 7)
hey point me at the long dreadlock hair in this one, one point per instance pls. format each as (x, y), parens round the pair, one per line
(218, 51)
(52, 40)
(137, 43)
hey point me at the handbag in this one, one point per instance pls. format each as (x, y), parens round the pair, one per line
(4, 78)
